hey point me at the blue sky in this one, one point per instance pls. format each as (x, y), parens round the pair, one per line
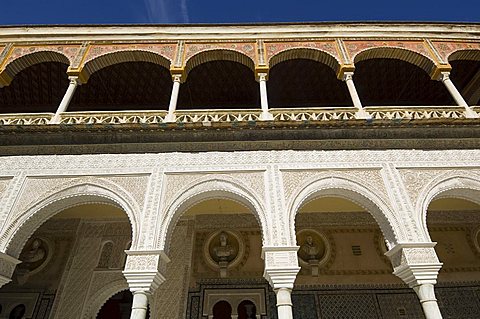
(232, 11)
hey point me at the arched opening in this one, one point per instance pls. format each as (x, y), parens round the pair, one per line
(134, 85)
(215, 245)
(454, 224)
(38, 88)
(75, 253)
(222, 310)
(305, 78)
(219, 79)
(465, 74)
(119, 306)
(395, 77)
(341, 255)
(247, 310)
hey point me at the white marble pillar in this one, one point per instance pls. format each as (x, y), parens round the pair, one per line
(281, 269)
(445, 78)
(284, 303)
(361, 113)
(172, 107)
(143, 274)
(262, 80)
(426, 294)
(417, 265)
(139, 305)
(72, 86)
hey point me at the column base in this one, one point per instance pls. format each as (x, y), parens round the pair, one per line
(266, 116)
(470, 113)
(170, 118)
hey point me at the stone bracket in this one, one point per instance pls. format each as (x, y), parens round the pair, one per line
(7, 267)
(281, 266)
(144, 269)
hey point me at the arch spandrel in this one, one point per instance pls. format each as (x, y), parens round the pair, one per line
(412, 52)
(350, 189)
(80, 192)
(210, 187)
(451, 184)
(215, 53)
(308, 53)
(446, 48)
(21, 57)
(98, 58)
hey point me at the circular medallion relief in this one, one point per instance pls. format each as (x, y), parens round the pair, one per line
(314, 247)
(476, 239)
(35, 254)
(223, 248)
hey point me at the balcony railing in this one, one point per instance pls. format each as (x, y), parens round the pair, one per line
(207, 117)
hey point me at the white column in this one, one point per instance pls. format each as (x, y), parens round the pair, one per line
(445, 78)
(284, 303)
(361, 113)
(172, 107)
(262, 80)
(426, 294)
(72, 86)
(281, 269)
(418, 266)
(139, 305)
(143, 274)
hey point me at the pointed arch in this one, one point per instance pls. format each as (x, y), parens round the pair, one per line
(111, 58)
(20, 229)
(415, 58)
(307, 54)
(218, 55)
(448, 185)
(331, 186)
(210, 187)
(23, 62)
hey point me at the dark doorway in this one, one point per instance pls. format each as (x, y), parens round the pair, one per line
(222, 310)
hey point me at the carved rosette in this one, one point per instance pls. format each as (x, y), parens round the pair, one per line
(7, 267)
(281, 266)
(415, 263)
(144, 269)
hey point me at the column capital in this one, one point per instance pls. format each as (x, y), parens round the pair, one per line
(439, 71)
(5, 78)
(345, 72)
(415, 263)
(261, 72)
(144, 269)
(178, 74)
(281, 266)
(80, 74)
(7, 267)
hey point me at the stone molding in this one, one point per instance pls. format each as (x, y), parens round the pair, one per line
(256, 178)
(415, 263)
(144, 269)
(281, 266)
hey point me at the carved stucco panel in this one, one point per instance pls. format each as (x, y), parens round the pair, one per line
(371, 178)
(415, 180)
(135, 185)
(253, 181)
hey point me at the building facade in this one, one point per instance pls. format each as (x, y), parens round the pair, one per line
(240, 171)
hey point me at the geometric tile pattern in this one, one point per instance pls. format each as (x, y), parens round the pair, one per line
(390, 304)
(352, 306)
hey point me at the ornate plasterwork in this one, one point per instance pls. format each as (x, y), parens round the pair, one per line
(104, 285)
(210, 186)
(348, 187)
(458, 184)
(71, 193)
